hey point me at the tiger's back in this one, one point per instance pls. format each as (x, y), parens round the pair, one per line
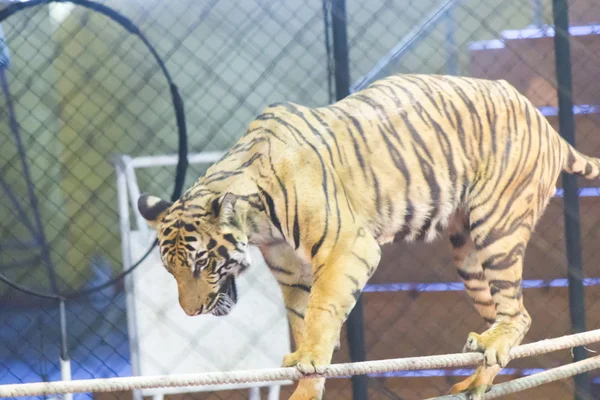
(416, 147)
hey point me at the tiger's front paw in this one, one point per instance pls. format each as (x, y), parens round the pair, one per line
(307, 362)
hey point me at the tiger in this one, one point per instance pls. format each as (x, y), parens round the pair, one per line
(320, 190)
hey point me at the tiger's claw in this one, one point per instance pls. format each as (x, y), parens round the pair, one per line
(306, 362)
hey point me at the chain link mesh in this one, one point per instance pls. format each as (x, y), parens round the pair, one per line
(84, 89)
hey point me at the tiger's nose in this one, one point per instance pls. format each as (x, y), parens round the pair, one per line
(192, 311)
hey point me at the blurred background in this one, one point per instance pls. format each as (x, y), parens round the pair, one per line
(80, 94)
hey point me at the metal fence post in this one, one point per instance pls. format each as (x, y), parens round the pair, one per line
(571, 196)
(355, 323)
(65, 360)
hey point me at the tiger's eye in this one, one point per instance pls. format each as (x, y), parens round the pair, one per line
(199, 265)
(202, 263)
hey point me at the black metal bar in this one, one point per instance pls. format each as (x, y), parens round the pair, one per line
(356, 344)
(566, 120)
(340, 48)
(355, 323)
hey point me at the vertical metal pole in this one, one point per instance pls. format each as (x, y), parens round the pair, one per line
(355, 324)
(121, 165)
(65, 361)
(340, 48)
(571, 197)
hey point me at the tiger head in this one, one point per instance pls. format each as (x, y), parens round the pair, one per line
(203, 246)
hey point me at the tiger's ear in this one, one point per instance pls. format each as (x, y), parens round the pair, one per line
(152, 208)
(223, 208)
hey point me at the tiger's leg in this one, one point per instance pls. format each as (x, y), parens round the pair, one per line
(476, 285)
(339, 276)
(469, 267)
(501, 251)
(295, 280)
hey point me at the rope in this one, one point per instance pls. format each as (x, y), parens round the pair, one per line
(528, 382)
(291, 373)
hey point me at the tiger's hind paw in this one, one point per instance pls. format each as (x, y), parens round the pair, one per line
(495, 344)
(477, 384)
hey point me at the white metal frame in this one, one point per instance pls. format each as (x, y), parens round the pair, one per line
(128, 192)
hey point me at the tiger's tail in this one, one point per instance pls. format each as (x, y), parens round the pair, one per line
(579, 164)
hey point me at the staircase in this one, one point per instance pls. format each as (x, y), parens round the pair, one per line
(525, 58)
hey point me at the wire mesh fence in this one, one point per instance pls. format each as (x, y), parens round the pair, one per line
(81, 90)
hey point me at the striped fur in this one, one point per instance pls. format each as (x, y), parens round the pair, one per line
(319, 190)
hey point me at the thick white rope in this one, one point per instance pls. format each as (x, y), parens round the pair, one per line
(528, 382)
(290, 373)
